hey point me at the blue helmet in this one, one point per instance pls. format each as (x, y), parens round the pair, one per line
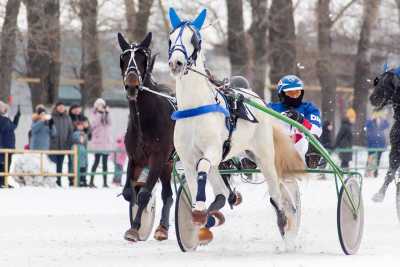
(290, 83)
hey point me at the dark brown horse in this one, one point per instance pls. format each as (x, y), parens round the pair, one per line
(149, 138)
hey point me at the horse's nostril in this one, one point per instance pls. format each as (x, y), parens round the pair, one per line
(179, 63)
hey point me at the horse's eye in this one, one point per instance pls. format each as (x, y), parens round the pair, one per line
(376, 81)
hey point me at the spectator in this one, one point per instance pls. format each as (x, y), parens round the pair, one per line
(119, 160)
(63, 138)
(326, 137)
(80, 139)
(42, 129)
(7, 136)
(344, 138)
(101, 137)
(375, 133)
(76, 114)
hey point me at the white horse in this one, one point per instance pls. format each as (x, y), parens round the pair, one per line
(199, 139)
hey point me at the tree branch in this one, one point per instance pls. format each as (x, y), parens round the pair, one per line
(341, 12)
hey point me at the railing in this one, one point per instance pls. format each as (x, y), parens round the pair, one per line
(42, 153)
(358, 153)
(357, 163)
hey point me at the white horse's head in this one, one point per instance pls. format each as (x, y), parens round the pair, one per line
(184, 41)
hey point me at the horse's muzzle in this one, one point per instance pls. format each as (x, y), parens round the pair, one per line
(132, 84)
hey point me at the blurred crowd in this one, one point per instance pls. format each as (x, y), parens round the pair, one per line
(59, 130)
(375, 132)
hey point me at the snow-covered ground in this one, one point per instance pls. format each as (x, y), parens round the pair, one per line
(85, 227)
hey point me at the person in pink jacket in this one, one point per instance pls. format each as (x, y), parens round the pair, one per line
(119, 159)
(101, 137)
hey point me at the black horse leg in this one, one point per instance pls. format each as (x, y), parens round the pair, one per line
(144, 194)
(394, 162)
(128, 193)
(166, 195)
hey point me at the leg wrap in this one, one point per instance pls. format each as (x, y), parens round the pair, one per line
(166, 211)
(201, 186)
(143, 197)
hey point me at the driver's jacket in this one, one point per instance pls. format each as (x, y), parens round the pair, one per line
(312, 121)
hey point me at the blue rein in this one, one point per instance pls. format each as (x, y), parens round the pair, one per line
(194, 112)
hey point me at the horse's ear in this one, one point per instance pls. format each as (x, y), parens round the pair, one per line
(147, 40)
(152, 62)
(174, 18)
(199, 21)
(385, 67)
(122, 42)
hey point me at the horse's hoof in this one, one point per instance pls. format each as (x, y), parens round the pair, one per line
(161, 233)
(132, 235)
(199, 217)
(205, 236)
(239, 199)
(220, 218)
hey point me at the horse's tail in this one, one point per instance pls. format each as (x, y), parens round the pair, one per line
(288, 162)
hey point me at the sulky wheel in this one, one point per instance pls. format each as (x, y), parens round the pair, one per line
(148, 215)
(292, 206)
(186, 231)
(350, 225)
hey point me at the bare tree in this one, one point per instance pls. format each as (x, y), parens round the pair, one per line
(362, 67)
(91, 71)
(237, 49)
(137, 20)
(8, 47)
(258, 32)
(43, 50)
(282, 40)
(325, 69)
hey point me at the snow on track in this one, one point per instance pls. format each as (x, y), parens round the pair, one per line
(85, 227)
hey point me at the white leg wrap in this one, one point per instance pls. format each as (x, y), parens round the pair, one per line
(200, 205)
(203, 165)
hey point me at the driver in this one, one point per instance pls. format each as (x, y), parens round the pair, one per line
(291, 91)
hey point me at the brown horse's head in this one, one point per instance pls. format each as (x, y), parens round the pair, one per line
(134, 63)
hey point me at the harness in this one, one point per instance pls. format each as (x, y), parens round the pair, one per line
(178, 44)
(132, 66)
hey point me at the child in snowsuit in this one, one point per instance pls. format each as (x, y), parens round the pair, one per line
(80, 139)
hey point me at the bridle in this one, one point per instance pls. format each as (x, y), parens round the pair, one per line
(132, 65)
(179, 46)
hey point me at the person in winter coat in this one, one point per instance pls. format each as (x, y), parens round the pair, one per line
(7, 136)
(101, 137)
(42, 129)
(375, 134)
(119, 160)
(80, 139)
(344, 138)
(326, 137)
(62, 141)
